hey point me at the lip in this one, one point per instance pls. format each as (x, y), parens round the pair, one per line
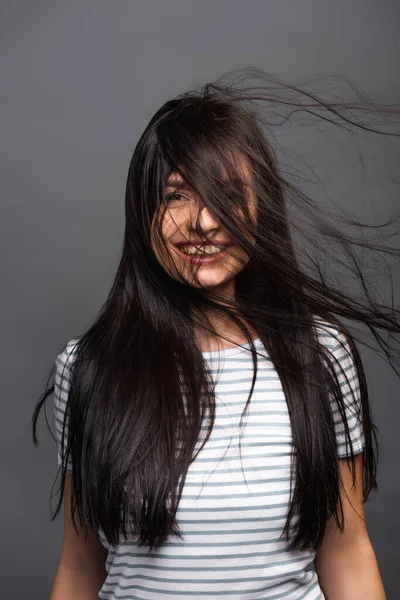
(200, 260)
(212, 242)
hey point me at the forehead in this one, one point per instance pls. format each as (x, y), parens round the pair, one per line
(175, 180)
(242, 178)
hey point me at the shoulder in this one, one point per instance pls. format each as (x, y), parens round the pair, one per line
(62, 386)
(66, 357)
(341, 352)
(340, 348)
(63, 365)
(335, 338)
(330, 333)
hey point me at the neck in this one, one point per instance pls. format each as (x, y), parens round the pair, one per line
(224, 293)
(214, 329)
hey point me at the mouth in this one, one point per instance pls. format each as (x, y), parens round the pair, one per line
(202, 254)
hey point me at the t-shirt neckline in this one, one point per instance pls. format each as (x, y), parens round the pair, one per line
(232, 350)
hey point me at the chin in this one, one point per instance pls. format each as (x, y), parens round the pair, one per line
(211, 283)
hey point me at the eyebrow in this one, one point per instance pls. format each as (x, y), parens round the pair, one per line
(177, 183)
(183, 185)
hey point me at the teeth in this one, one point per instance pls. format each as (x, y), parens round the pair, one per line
(205, 250)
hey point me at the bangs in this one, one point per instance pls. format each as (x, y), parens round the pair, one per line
(202, 158)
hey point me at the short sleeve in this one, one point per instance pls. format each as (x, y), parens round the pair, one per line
(62, 383)
(343, 363)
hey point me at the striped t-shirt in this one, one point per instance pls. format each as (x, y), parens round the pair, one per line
(231, 526)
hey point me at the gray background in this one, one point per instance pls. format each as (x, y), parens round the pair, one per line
(79, 82)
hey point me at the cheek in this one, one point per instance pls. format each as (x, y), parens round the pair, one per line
(159, 233)
(168, 227)
(171, 221)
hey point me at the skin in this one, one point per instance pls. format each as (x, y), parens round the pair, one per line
(345, 562)
(178, 224)
(81, 569)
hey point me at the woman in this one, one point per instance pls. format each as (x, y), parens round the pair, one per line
(213, 424)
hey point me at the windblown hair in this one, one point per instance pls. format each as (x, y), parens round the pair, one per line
(140, 389)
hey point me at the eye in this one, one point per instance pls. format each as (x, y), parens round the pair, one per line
(174, 197)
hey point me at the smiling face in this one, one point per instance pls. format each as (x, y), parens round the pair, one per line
(211, 263)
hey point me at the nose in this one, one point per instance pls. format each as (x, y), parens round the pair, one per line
(206, 220)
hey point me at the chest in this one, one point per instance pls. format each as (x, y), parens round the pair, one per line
(247, 461)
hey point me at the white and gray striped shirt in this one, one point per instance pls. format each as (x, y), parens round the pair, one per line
(231, 526)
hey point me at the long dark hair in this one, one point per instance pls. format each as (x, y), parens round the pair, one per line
(131, 433)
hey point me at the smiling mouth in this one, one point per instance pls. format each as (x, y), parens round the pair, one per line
(201, 254)
(202, 251)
